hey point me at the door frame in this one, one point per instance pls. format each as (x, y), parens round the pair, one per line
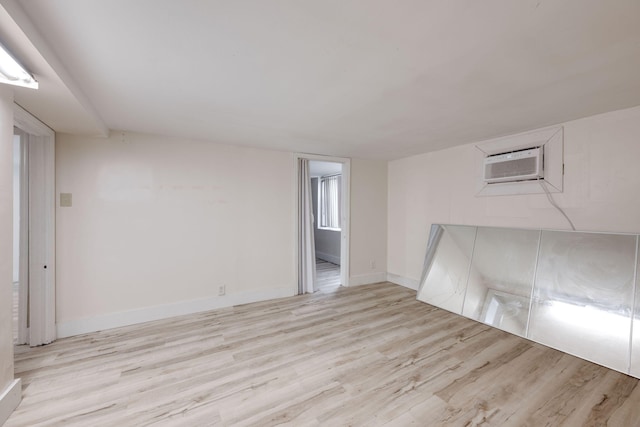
(41, 218)
(23, 233)
(345, 218)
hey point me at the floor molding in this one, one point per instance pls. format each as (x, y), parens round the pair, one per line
(148, 314)
(403, 281)
(10, 399)
(367, 279)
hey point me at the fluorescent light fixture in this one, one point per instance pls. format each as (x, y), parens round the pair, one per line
(11, 72)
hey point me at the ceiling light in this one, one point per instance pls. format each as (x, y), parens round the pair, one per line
(11, 72)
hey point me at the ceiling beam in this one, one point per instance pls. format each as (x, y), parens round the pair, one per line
(20, 17)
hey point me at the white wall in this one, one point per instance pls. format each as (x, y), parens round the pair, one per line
(158, 224)
(368, 221)
(602, 178)
(6, 243)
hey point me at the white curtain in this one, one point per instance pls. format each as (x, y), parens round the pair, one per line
(330, 201)
(306, 251)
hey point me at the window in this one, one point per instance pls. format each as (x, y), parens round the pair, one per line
(329, 202)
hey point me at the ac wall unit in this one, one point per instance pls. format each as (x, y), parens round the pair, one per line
(514, 166)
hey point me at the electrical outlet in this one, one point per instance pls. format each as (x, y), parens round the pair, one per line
(222, 290)
(373, 264)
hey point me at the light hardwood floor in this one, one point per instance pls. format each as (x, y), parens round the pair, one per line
(327, 276)
(362, 356)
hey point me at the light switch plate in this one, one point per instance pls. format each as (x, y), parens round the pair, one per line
(65, 200)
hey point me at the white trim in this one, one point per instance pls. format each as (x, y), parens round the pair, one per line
(367, 279)
(346, 209)
(158, 312)
(346, 224)
(403, 281)
(10, 399)
(28, 123)
(328, 257)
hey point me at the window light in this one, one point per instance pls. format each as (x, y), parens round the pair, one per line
(329, 202)
(11, 72)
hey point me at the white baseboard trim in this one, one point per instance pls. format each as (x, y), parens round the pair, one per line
(367, 279)
(403, 281)
(148, 314)
(328, 257)
(10, 399)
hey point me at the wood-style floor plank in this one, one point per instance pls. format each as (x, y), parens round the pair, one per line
(362, 356)
(327, 276)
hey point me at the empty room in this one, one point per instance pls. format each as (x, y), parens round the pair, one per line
(308, 213)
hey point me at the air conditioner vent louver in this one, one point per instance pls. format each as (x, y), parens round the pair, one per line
(514, 166)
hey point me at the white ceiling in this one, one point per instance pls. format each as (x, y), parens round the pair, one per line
(358, 78)
(54, 103)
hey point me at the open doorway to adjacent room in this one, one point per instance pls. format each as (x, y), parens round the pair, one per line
(18, 183)
(326, 186)
(323, 222)
(33, 231)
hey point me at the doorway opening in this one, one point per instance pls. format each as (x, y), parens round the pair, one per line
(323, 223)
(326, 183)
(19, 245)
(33, 230)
